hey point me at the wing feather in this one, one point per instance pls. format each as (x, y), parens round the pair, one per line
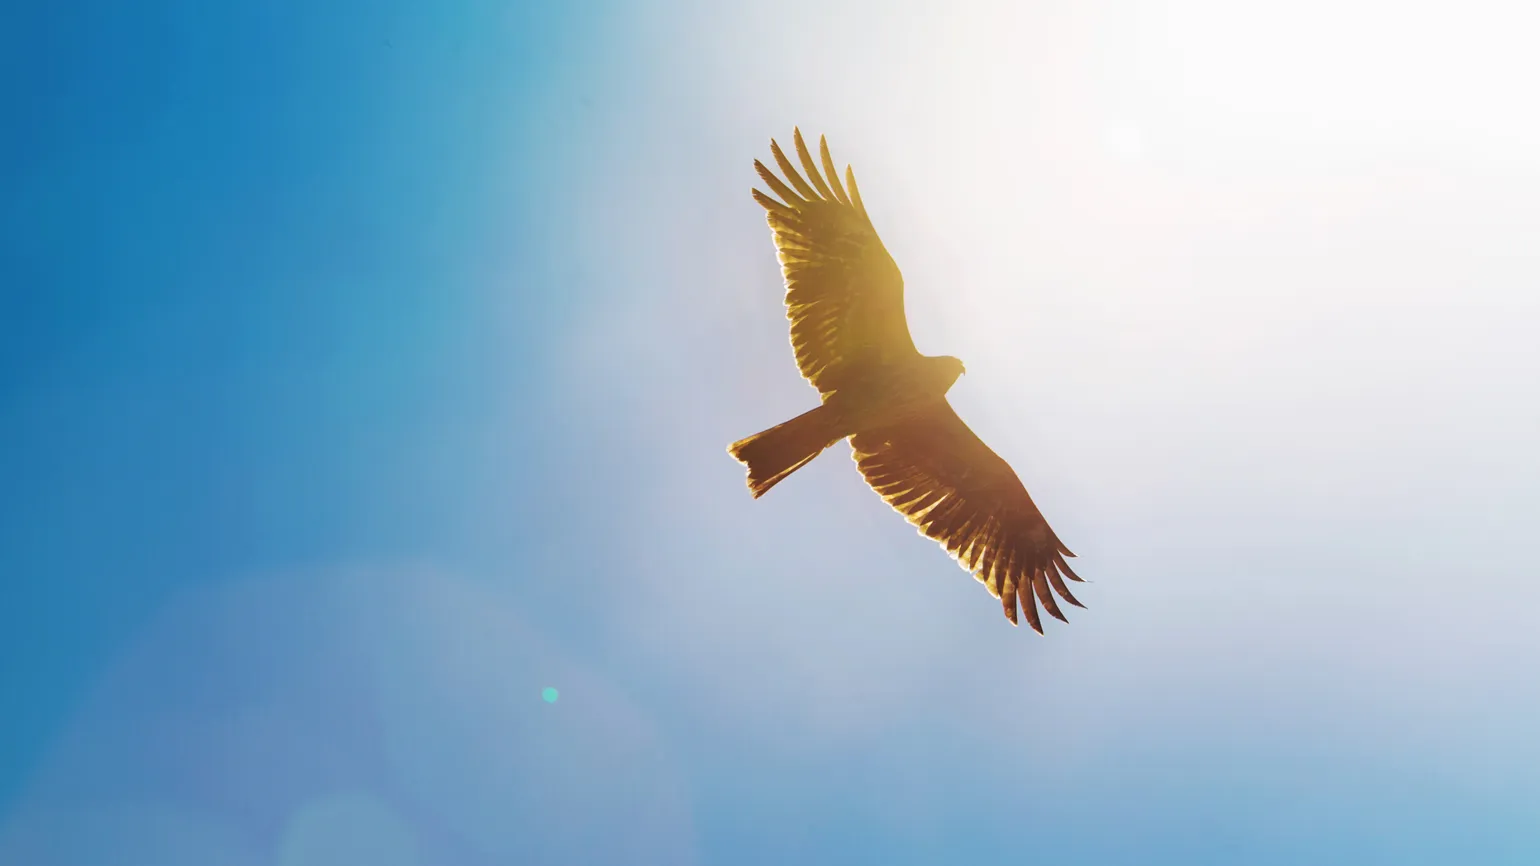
(1059, 587)
(775, 208)
(791, 174)
(779, 188)
(1040, 586)
(937, 473)
(855, 191)
(830, 171)
(844, 293)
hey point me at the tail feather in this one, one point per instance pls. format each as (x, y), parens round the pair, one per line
(773, 454)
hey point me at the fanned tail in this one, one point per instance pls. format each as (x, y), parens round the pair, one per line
(773, 454)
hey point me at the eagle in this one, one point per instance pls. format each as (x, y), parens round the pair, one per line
(845, 300)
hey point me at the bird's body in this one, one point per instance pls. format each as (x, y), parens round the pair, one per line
(888, 393)
(844, 297)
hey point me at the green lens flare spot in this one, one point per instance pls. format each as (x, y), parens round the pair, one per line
(549, 694)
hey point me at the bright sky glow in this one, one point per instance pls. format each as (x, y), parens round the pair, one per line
(364, 368)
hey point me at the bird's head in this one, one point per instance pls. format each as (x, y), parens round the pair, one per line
(948, 369)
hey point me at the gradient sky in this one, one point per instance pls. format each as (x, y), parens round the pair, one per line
(366, 368)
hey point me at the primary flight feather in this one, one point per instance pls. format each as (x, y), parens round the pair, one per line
(845, 300)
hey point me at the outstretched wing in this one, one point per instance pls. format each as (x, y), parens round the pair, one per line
(844, 294)
(937, 473)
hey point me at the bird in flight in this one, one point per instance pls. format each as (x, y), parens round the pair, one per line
(845, 300)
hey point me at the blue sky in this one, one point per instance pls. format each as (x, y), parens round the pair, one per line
(366, 370)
